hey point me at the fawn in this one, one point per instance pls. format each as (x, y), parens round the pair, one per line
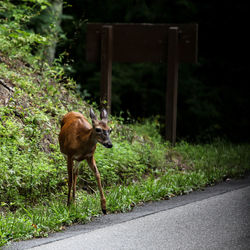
(78, 141)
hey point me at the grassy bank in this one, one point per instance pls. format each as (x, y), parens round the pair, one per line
(186, 168)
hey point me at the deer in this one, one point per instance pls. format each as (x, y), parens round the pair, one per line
(78, 141)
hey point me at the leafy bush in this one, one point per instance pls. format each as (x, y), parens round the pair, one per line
(16, 39)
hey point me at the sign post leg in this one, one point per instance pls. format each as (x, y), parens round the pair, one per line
(106, 67)
(172, 84)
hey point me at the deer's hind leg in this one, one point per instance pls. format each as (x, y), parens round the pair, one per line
(70, 178)
(75, 174)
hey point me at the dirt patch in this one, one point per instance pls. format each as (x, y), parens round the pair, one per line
(6, 91)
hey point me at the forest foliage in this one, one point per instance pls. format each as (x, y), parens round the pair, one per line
(212, 98)
(212, 94)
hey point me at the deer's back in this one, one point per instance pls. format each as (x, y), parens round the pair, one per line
(75, 130)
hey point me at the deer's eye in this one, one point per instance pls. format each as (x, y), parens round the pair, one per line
(98, 130)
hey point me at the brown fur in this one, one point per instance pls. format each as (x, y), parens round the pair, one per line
(77, 141)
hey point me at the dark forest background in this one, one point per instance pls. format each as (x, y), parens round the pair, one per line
(213, 97)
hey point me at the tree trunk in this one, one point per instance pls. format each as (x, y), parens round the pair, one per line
(55, 11)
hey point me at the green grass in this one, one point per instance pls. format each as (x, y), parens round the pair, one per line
(189, 167)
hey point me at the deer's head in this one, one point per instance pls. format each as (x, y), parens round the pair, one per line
(101, 129)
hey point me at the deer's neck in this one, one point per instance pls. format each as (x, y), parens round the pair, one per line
(92, 138)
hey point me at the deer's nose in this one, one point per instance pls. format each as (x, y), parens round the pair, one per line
(108, 145)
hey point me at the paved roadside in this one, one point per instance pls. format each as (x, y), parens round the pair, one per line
(216, 218)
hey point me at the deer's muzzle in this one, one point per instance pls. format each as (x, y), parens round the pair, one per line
(108, 145)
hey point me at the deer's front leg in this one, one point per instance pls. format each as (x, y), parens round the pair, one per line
(92, 165)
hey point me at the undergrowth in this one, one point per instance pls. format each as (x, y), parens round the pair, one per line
(33, 176)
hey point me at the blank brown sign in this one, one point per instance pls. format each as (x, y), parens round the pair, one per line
(143, 42)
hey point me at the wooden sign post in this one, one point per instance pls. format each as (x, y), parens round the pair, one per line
(106, 66)
(171, 43)
(172, 84)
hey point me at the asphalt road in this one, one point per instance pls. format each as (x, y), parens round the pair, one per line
(216, 218)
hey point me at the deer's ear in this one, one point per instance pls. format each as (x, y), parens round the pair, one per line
(104, 115)
(92, 115)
